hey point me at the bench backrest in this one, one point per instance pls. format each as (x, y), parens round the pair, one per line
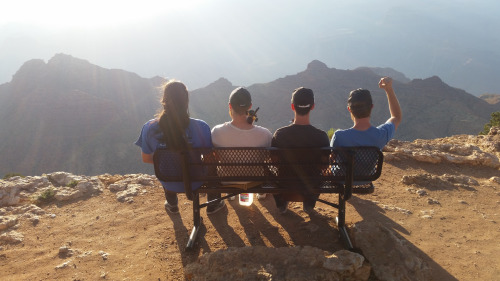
(305, 165)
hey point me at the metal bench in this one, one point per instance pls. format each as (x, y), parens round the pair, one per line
(276, 170)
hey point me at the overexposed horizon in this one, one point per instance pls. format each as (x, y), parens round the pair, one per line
(259, 41)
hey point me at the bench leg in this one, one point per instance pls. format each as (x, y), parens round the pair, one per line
(341, 224)
(196, 221)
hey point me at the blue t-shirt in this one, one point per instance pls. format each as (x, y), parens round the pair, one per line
(198, 134)
(374, 136)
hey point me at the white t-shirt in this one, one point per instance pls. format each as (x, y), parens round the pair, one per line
(228, 135)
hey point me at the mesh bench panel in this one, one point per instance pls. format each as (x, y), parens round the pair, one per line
(315, 166)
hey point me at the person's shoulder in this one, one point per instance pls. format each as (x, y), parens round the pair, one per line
(199, 125)
(319, 130)
(342, 134)
(198, 122)
(387, 125)
(282, 129)
(263, 129)
(341, 131)
(316, 130)
(220, 127)
(151, 124)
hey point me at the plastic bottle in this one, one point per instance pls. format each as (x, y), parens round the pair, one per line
(246, 199)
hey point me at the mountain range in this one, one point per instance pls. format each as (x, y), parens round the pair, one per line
(68, 114)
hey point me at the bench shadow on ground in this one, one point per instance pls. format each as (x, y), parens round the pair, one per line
(316, 230)
(182, 235)
(371, 212)
(264, 226)
(256, 226)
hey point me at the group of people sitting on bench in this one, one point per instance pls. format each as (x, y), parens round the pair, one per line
(173, 127)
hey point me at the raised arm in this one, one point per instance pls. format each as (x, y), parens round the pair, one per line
(394, 107)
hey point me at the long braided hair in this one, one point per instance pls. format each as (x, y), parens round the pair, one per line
(174, 118)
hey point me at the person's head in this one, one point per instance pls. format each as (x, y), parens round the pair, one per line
(360, 103)
(240, 101)
(175, 97)
(302, 100)
(174, 118)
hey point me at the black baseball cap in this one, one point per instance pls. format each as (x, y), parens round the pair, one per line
(240, 97)
(303, 98)
(359, 98)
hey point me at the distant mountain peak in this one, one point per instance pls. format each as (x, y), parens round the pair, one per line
(221, 82)
(63, 59)
(434, 79)
(387, 71)
(29, 71)
(316, 65)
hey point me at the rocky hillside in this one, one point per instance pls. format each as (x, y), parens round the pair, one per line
(491, 98)
(68, 114)
(434, 216)
(431, 108)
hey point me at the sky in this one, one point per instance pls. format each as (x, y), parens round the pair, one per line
(259, 41)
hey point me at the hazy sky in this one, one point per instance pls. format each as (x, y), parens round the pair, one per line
(258, 41)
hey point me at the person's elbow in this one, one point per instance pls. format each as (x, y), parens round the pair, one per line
(396, 120)
(147, 158)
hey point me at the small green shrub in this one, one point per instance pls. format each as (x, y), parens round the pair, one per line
(10, 175)
(331, 132)
(46, 196)
(73, 183)
(494, 121)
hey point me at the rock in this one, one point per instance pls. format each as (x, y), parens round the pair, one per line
(115, 187)
(425, 156)
(63, 265)
(104, 255)
(65, 251)
(17, 190)
(7, 222)
(439, 182)
(397, 209)
(289, 263)
(432, 201)
(427, 214)
(470, 150)
(126, 195)
(421, 192)
(28, 209)
(34, 220)
(130, 185)
(495, 179)
(8, 194)
(495, 130)
(86, 186)
(11, 237)
(400, 261)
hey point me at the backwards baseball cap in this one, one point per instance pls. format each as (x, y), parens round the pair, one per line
(359, 98)
(303, 98)
(240, 97)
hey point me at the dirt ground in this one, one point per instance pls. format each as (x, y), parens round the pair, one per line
(454, 229)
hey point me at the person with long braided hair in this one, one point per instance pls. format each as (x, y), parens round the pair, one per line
(174, 128)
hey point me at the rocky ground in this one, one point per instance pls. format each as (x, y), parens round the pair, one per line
(434, 216)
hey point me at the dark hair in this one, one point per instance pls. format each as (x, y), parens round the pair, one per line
(360, 103)
(174, 118)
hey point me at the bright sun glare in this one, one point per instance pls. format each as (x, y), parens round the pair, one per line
(85, 14)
